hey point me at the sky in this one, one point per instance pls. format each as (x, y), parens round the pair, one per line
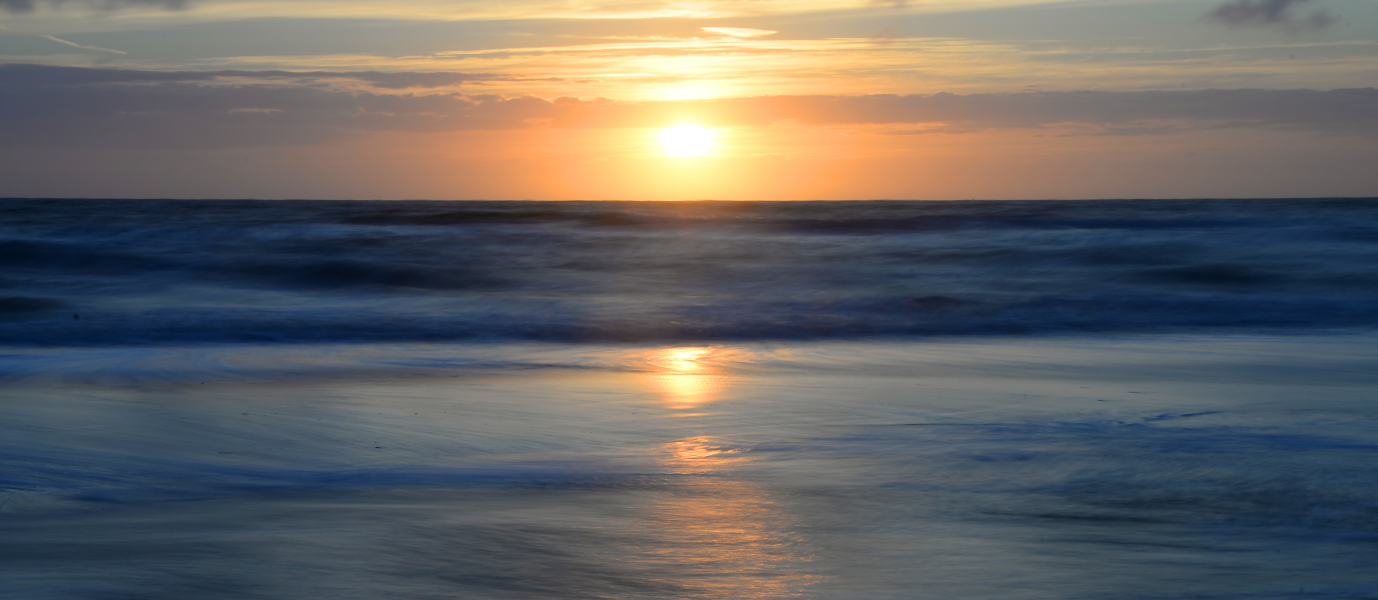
(670, 100)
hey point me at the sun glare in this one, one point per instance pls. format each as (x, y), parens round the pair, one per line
(687, 140)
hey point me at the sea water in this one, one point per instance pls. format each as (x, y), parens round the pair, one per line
(1130, 399)
(160, 272)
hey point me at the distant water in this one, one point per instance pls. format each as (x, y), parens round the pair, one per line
(133, 272)
(1119, 400)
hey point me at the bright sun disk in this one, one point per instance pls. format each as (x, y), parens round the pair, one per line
(686, 140)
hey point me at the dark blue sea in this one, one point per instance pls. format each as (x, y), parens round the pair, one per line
(159, 272)
(1129, 399)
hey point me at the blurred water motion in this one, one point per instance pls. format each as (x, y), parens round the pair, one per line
(1072, 469)
(678, 274)
(318, 400)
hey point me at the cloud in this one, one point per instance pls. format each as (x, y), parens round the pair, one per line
(76, 45)
(24, 6)
(22, 74)
(400, 81)
(377, 79)
(1084, 111)
(1269, 13)
(67, 106)
(739, 32)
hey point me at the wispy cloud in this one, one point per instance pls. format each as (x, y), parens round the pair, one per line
(450, 9)
(76, 45)
(739, 32)
(1270, 13)
(22, 74)
(24, 6)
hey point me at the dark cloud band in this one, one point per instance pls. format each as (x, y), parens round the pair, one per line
(25, 6)
(72, 106)
(1270, 13)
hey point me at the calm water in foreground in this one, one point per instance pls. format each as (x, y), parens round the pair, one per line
(603, 400)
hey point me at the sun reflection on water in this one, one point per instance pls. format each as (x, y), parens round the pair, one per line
(686, 378)
(681, 360)
(699, 454)
(722, 536)
(725, 537)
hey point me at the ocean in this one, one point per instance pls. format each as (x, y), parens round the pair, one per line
(825, 400)
(160, 272)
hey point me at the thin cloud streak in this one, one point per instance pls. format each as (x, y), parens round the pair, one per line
(27, 74)
(739, 32)
(76, 45)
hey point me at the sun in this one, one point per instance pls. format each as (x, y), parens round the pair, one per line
(687, 140)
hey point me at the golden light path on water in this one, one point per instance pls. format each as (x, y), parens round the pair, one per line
(725, 535)
(685, 379)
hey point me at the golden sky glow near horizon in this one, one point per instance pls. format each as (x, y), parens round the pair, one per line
(790, 98)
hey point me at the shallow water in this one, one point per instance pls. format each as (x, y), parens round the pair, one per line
(1134, 467)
